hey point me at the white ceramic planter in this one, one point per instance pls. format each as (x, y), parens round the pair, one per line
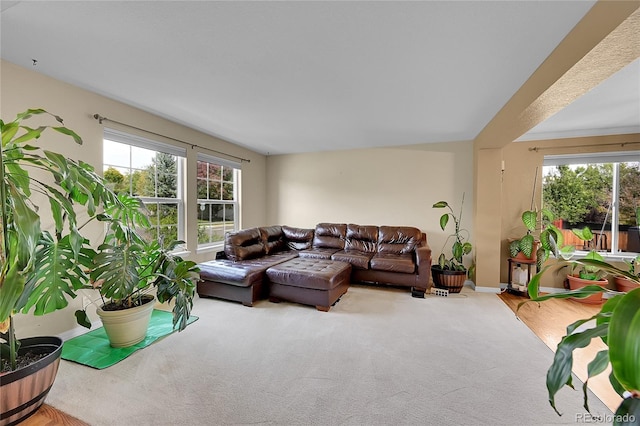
(126, 327)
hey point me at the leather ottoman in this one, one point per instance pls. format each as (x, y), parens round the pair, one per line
(316, 282)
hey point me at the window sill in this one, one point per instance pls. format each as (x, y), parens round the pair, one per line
(209, 249)
(620, 257)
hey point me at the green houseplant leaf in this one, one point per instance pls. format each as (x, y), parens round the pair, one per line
(526, 245)
(58, 272)
(624, 351)
(444, 219)
(530, 218)
(514, 248)
(595, 367)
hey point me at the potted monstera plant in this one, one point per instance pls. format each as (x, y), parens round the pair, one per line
(450, 273)
(128, 267)
(39, 268)
(617, 324)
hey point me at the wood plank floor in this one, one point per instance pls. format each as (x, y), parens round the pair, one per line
(49, 416)
(549, 321)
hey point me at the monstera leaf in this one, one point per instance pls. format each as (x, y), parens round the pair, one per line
(58, 271)
(175, 281)
(116, 270)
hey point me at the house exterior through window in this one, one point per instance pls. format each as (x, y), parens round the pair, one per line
(601, 191)
(153, 172)
(217, 187)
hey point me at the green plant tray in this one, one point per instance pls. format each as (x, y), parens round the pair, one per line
(93, 349)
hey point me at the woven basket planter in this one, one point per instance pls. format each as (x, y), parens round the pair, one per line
(450, 280)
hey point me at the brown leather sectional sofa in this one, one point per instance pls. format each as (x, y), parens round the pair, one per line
(393, 255)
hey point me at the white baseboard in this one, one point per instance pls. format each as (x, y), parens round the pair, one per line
(78, 330)
(495, 290)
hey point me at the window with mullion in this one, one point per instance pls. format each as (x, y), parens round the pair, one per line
(151, 174)
(217, 201)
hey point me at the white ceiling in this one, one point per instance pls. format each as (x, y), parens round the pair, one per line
(286, 77)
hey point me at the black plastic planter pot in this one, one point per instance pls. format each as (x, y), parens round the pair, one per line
(23, 391)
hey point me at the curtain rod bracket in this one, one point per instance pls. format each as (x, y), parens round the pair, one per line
(99, 118)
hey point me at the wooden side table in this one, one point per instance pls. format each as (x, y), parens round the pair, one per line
(513, 263)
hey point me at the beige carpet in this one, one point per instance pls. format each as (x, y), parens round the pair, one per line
(379, 357)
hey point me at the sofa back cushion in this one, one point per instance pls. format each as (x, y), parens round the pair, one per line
(398, 239)
(362, 238)
(297, 238)
(272, 239)
(330, 235)
(244, 244)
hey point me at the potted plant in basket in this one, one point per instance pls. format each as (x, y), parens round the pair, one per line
(451, 273)
(128, 266)
(617, 324)
(39, 268)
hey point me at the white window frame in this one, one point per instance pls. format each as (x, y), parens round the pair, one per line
(179, 152)
(236, 196)
(600, 158)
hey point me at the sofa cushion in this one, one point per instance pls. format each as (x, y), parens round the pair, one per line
(330, 235)
(362, 238)
(298, 238)
(398, 239)
(273, 239)
(240, 273)
(356, 258)
(393, 262)
(243, 245)
(317, 253)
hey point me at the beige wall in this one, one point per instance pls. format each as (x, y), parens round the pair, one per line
(520, 174)
(377, 186)
(23, 89)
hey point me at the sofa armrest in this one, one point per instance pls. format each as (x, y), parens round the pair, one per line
(423, 262)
